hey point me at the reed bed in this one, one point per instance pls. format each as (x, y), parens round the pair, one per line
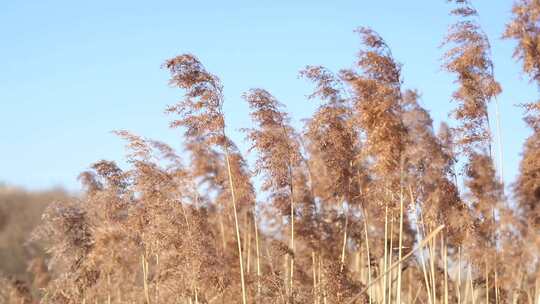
(360, 206)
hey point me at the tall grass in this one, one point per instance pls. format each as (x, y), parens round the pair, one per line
(360, 206)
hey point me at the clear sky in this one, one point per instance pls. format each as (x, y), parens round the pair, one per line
(72, 71)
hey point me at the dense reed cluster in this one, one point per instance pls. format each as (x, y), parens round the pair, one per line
(362, 205)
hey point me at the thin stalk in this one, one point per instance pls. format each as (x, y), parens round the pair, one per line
(286, 281)
(315, 298)
(467, 287)
(458, 289)
(321, 278)
(426, 280)
(433, 252)
(367, 251)
(499, 141)
(397, 263)
(537, 289)
(434, 272)
(357, 259)
(390, 257)
(258, 254)
(445, 265)
(398, 299)
(291, 189)
(496, 287)
(292, 244)
(344, 239)
(222, 228)
(385, 252)
(237, 228)
(248, 247)
(472, 287)
(487, 282)
(145, 278)
(416, 295)
(158, 270)
(108, 288)
(410, 292)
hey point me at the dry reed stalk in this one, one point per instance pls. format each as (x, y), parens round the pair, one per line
(390, 257)
(342, 259)
(428, 271)
(536, 290)
(499, 142)
(222, 230)
(467, 287)
(397, 263)
(237, 228)
(487, 281)
(291, 189)
(108, 288)
(385, 259)
(318, 282)
(470, 282)
(409, 293)
(496, 286)
(432, 250)
(426, 280)
(247, 236)
(417, 294)
(434, 269)
(357, 261)
(322, 279)
(398, 300)
(314, 274)
(144, 264)
(257, 254)
(368, 257)
(158, 270)
(286, 268)
(291, 283)
(445, 265)
(458, 289)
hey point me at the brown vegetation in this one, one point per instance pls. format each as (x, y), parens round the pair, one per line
(22, 261)
(361, 206)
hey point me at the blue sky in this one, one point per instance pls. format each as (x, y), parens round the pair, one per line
(72, 71)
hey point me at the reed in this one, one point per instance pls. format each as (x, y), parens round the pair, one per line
(361, 205)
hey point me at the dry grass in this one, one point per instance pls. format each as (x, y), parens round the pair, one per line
(361, 206)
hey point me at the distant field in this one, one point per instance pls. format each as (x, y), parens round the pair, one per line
(20, 213)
